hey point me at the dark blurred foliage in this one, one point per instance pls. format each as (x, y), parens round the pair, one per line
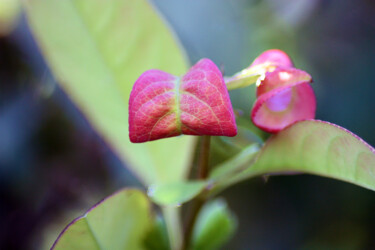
(52, 162)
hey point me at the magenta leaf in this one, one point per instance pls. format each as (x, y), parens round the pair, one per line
(274, 57)
(284, 97)
(162, 105)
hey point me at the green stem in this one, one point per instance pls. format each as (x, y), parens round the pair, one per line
(203, 171)
(173, 223)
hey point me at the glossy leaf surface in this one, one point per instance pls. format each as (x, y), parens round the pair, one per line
(320, 148)
(162, 105)
(96, 50)
(121, 221)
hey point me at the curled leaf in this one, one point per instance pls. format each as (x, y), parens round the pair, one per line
(273, 58)
(284, 97)
(162, 105)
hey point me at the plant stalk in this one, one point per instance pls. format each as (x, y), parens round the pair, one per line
(203, 171)
(204, 157)
(174, 229)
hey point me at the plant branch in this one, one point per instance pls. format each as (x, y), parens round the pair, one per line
(203, 171)
(196, 207)
(204, 157)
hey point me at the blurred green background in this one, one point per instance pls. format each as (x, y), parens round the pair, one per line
(53, 166)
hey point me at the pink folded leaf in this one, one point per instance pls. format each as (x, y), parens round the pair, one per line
(162, 105)
(273, 57)
(284, 97)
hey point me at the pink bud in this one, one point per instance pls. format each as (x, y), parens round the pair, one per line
(162, 105)
(284, 97)
(274, 57)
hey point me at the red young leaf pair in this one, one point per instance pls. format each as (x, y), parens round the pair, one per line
(162, 105)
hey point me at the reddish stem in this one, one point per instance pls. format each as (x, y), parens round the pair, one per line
(198, 202)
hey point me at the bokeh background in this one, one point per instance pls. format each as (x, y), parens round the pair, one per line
(53, 166)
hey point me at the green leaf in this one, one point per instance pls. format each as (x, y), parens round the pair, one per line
(215, 226)
(96, 50)
(247, 76)
(320, 148)
(121, 221)
(235, 164)
(175, 193)
(241, 80)
(157, 237)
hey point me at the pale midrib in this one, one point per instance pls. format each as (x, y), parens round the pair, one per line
(93, 234)
(101, 58)
(115, 84)
(177, 104)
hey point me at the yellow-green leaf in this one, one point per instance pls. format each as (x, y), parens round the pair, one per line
(121, 221)
(316, 147)
(96, 50)
(215, 226)
(175, 193)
